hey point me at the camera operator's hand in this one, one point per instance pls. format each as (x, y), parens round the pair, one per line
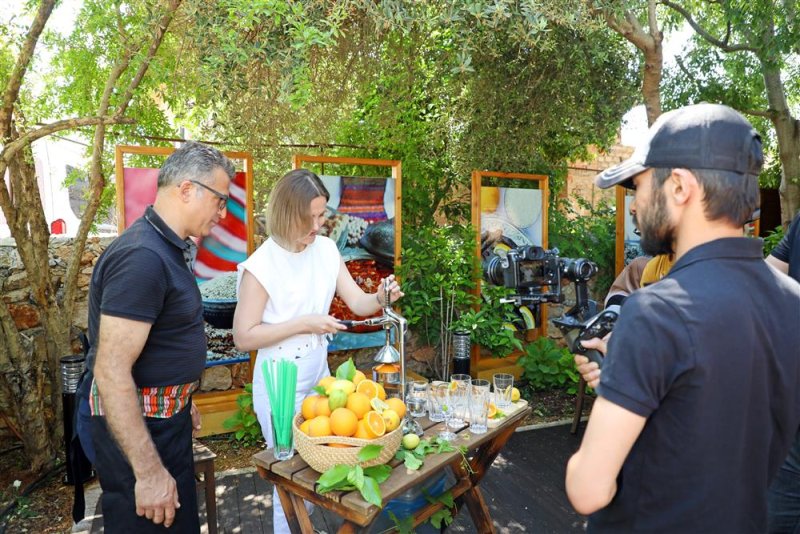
(590, 371)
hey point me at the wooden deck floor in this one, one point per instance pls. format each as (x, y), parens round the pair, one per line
(524, 490)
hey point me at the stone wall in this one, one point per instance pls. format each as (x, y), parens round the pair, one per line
(580, 175)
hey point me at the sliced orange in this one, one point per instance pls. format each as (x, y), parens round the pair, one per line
(368, 387)
(361, 431)
(378, 405)
(381, 392)
(492, 410)
(388, 368)
(376, 426)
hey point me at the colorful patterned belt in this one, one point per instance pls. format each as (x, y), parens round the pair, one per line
(158, 401)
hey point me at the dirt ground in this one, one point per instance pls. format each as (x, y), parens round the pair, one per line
(47, 508)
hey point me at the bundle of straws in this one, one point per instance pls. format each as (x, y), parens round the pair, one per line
(281, 380)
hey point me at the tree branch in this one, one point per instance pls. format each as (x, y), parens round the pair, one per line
(702, 32)
(11, 149)
(14, 84)
(155, 44)
(767, 114)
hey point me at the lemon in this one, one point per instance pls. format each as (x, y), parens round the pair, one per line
(341, 384)
(410, 441)
(337, 399)
(391, 419)
(514, 394)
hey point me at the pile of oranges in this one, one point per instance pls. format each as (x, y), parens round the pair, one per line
(351, 408)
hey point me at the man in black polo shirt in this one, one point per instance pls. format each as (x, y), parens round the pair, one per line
(698, 400)
(149, 349)
(784, 494)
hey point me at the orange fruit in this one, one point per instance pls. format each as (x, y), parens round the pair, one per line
(307, 408)
(339, 445)
(492, 410)
(381, 392)
(305, 427)
(321, 406)
(320, 426)
(375, 424)
(358, 403)
(397, 405)
(358, 377)
(361, 431)
(368, 387)
(343, 422)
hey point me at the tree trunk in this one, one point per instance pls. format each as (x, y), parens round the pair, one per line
(787, 130)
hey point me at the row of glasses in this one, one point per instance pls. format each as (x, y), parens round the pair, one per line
(458, 400)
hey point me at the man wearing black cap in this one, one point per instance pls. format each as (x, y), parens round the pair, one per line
(698, 399)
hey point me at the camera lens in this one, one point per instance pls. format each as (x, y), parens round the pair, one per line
(579, 269)
(493, 270)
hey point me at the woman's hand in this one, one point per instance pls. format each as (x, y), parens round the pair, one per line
(321, 324)
(394, 290)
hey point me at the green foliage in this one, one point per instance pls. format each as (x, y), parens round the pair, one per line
(545, 365)
(438, 272)
(244, 422)
(445, 515)
(773, 238)
(489, 326)
(586, 232)
(366, 480)
(413, 459)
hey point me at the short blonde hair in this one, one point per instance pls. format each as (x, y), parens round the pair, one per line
(288, 216)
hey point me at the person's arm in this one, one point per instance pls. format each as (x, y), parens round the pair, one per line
(119, 346)
(592, 471)
(782, 266)
(357, 300)
(250, 333)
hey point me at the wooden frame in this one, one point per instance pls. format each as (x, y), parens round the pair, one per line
(299, 159)
(297, 163)
(485, 367)
(214, 406)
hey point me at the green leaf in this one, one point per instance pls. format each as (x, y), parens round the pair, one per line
(369, 452)
(379, 472)
(356, 477)
(320, 390)
(333, 476)
(442, 515)
(347, 370)
(371, 492)
(412, 462)
(404, 526)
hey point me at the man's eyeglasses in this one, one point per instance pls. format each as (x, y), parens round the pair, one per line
(223, 199)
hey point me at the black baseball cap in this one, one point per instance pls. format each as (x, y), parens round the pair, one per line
(701, 136)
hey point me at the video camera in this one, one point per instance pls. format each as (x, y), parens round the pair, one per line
(535, 275)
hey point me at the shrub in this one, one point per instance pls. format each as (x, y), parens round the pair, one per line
(545, 365)
(244, 422)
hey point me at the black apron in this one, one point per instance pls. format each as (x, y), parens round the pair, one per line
(173, 440)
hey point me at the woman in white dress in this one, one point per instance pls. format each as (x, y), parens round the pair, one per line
(285, 290)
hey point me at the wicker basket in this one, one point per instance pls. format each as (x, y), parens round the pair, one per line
(320, 457)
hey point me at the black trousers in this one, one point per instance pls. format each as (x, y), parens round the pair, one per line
(173, 441)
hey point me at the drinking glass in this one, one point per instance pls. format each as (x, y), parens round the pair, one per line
(459, 400)
(440, 401)
(282, 440)
(479, 406)
(433, 414)
(503, 383)
(416, 397)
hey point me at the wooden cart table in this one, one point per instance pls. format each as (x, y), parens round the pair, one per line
(296, 481)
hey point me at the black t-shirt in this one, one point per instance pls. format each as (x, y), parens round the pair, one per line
(143, 276)
(707, 356)
(788, 253)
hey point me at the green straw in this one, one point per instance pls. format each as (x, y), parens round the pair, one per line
(281, 381)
